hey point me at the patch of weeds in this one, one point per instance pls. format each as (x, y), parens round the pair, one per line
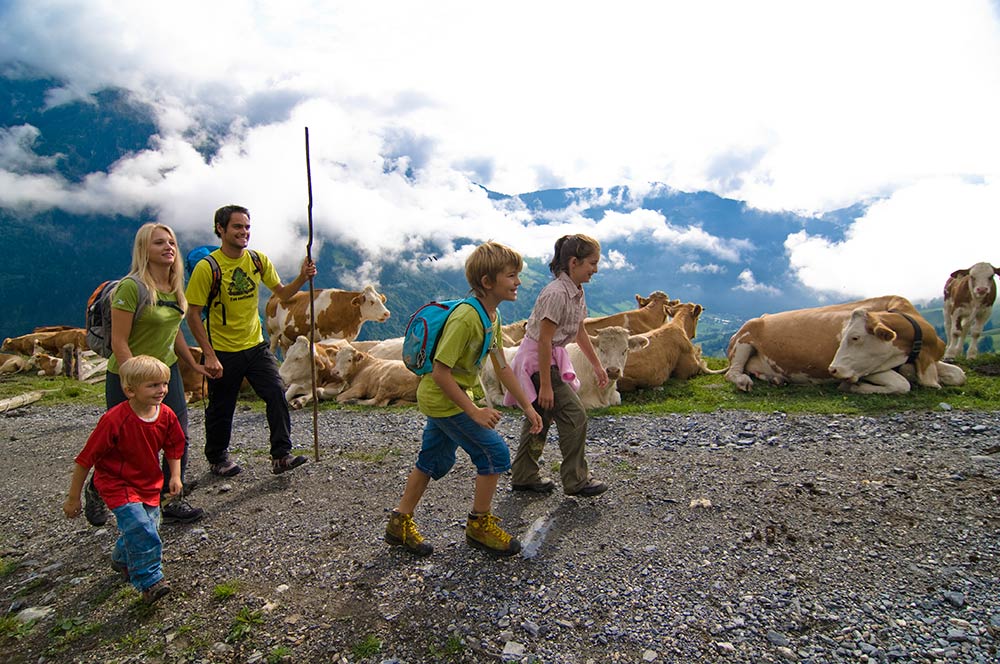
(278, 655)
(453, 647)
(369, 646)
(243, 624)
(13, 629)
(133, 640)
(556, 465)
(225, 590)
(67, 630)
(7, 567)
(372, 457)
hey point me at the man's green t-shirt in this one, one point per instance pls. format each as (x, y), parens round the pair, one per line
(459, 347)
(154, 331)
(234, 321)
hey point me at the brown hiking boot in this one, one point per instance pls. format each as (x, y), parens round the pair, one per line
(155, 591)
(402, 531)
(483, 531)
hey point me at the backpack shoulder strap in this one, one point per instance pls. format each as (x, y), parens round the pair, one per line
(216, 286)
(258, 264)
(474, 302)
(143, 299)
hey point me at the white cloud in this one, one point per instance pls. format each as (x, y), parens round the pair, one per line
(616, 260)
(907, 244)
(749, 283)
(788, 105)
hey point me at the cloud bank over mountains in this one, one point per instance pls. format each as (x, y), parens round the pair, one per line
(417, 112)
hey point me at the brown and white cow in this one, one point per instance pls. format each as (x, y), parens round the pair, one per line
(54, 343)
(968, 302)
(669, 354)
(26, 343)
(651, 314)
(47, 365)
(339, 314)
(612, 345)
(853, 342)
(296, 372)
(372, 381)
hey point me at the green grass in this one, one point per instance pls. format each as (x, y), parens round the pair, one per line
(705, 394)
(59, 390)
(450, 649)
(369, 646)
(13, 629)
(7, 567)
(225, 590)
(243, 625)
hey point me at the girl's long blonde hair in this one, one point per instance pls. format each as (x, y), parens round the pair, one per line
(140, 263)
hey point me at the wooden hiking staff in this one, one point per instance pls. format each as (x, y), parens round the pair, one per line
(312, 309)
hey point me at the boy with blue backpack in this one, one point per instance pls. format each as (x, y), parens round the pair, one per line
(453, 419)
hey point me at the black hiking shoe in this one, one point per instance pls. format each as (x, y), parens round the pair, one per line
(93, 505)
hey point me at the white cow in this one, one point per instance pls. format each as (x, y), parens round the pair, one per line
(968, 302)
(296, 371)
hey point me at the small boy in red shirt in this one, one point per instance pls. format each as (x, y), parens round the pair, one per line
(124, 450)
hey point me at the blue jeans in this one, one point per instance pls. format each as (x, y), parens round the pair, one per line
(139, 545)
(443, 435)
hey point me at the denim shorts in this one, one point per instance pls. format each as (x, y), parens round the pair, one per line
(443, 435)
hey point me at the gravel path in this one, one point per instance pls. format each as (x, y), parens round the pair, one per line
(729, 537)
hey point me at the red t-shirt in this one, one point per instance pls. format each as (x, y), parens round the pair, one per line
(125, 452)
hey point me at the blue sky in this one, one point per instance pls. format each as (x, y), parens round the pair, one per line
(800, 106)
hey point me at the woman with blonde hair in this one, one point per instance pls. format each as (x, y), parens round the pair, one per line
(147, 308)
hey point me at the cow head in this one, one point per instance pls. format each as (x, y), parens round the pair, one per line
(372, 305)
(865, 347)
(612, 345)
(347, 362)
(981, 280)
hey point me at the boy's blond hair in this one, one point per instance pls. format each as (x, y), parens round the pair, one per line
(488, 260)
(142, 369)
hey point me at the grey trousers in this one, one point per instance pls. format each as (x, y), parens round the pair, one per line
(571, 423)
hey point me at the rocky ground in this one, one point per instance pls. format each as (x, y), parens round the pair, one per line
(729, 537)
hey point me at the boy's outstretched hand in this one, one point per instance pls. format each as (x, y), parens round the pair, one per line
(487, 417)
(72, 508)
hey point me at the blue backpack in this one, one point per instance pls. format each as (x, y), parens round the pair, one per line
(424, 330)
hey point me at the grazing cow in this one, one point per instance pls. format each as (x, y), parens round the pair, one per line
(372, 381)
(13, 363)
(669, 354)
(968, 303)
(339, 314)
(296, 371)
(651, 314)
(54, 343)
(26, 343)
(853, 342)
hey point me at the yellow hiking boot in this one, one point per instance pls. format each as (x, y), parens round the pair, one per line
(402, 531)
(483, 531)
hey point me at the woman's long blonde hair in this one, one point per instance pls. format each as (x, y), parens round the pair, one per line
(140, 263)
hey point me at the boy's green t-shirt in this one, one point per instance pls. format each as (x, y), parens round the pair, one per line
(239, 295)
(154, 331)
(459, 347)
